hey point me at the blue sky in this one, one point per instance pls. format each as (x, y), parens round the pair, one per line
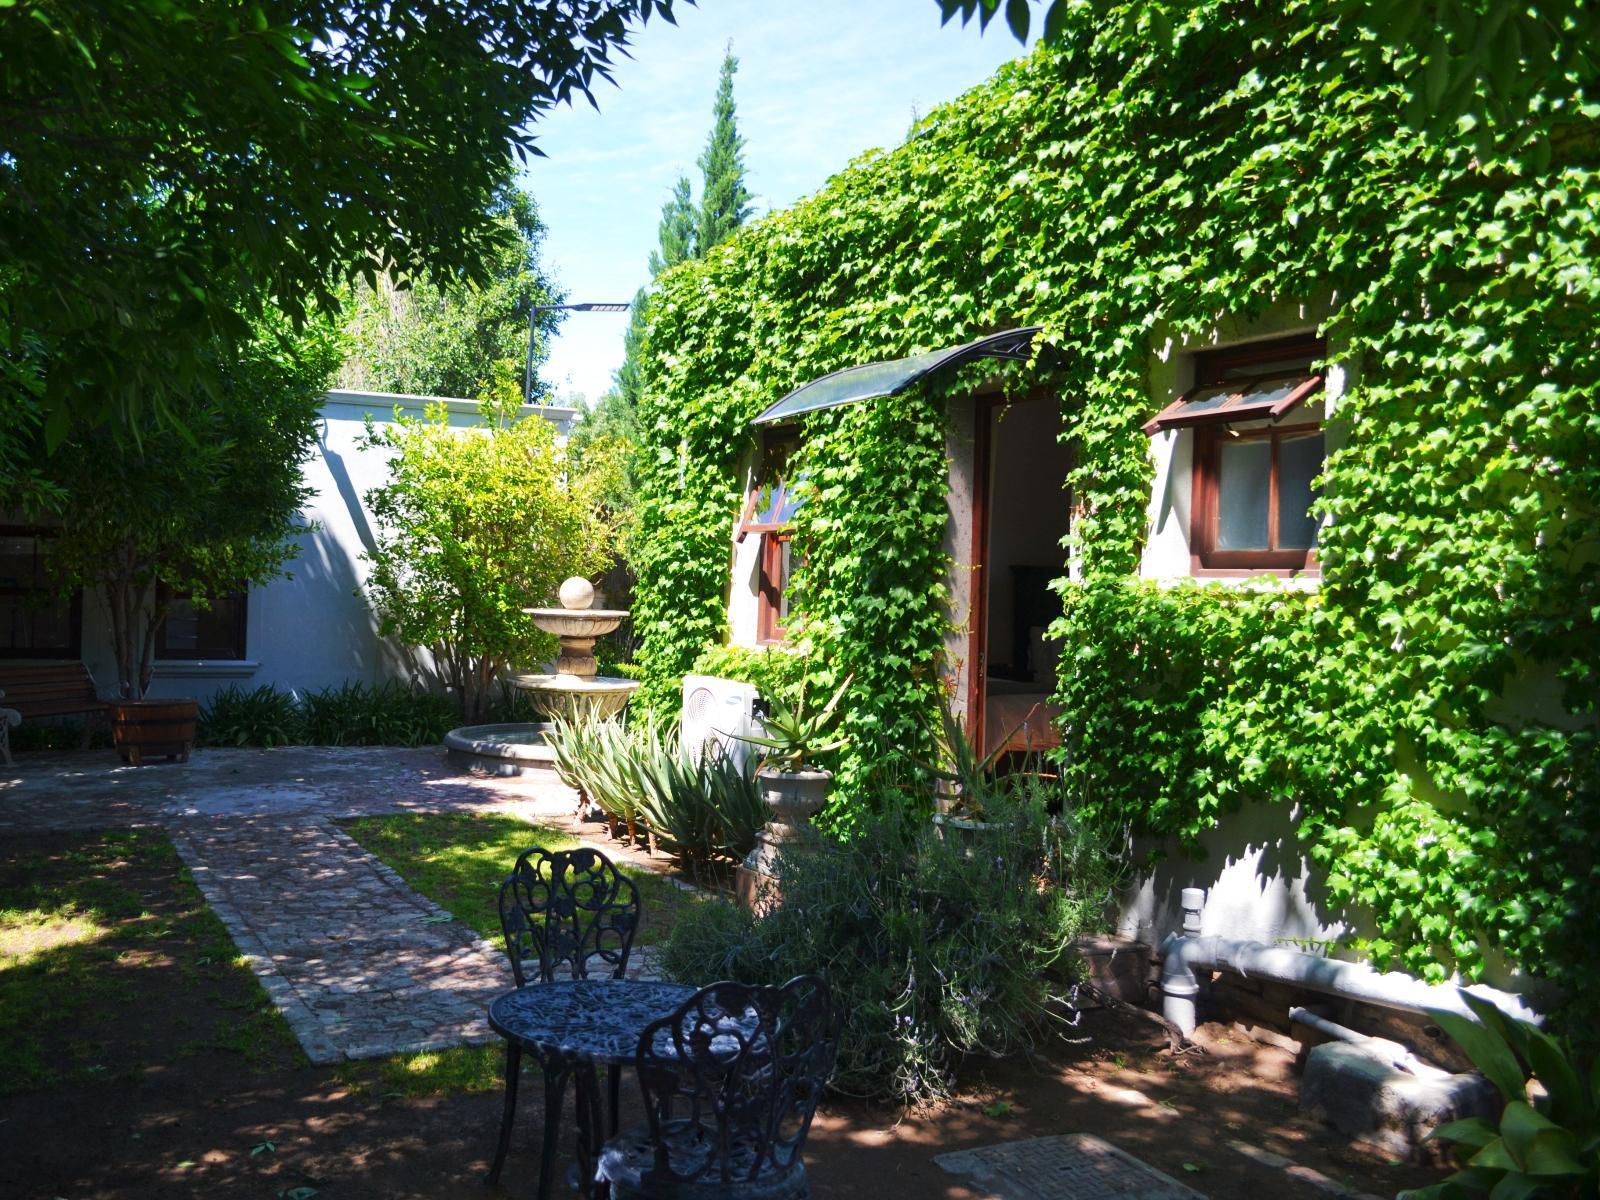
(819, 82)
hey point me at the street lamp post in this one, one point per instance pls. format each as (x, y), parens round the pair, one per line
(533, 317)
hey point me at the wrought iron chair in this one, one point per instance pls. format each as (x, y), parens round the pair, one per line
(731, 1081)
(563, 912)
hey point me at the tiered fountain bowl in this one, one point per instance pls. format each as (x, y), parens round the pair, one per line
(572, 691)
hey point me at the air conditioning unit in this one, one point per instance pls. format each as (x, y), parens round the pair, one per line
(721, 711)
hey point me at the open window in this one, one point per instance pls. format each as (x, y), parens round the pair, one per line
(1257, 452)
(769, 514)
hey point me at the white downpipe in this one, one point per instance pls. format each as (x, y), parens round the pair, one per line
(1182, 955)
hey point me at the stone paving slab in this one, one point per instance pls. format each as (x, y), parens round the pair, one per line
(65, 792)
(359, 964)
(1076, 1166)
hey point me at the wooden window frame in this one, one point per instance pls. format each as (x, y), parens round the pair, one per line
(1213, 367)
(1205, 558)
(74, 646)
(774, 537)
(241, 623)
(770, 586)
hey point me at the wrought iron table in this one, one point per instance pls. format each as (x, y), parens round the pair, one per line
(575, 1025)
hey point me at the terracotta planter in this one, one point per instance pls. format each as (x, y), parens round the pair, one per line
(143, 729)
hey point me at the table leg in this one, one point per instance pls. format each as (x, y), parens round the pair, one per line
(555, 1090)
(591, 1124)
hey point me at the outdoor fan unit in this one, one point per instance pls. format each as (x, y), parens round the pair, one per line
(718, 710)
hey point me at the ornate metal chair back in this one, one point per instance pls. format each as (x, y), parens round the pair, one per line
(733, 1078)
(567, 908)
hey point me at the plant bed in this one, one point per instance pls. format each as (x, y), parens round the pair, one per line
(160, 1055)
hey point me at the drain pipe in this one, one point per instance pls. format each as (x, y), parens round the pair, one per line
(1183, 955)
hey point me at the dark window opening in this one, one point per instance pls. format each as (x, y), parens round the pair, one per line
(216, 631)
(36, 620)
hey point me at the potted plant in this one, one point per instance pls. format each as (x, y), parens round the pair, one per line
(963, 778)
(793, 786)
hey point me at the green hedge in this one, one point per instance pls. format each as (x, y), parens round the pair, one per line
(1126, 196)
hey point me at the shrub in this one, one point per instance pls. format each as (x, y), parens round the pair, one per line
(699, 809)
(703, 807)
(934, 948)
(261, 716)
(391, 714)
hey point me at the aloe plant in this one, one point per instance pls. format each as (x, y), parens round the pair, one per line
(796, 738)
(1547, 1146)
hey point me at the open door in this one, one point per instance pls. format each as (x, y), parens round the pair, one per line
(1021, 515)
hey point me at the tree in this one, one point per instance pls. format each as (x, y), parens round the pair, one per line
(724, 200)
(473, 527)
(455, 337)
(172, 168)
(198, 508)
(686, 231)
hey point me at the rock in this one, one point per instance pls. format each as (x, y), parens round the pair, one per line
(1359, 1092)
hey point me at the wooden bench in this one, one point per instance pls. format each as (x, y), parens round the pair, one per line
(47, 689)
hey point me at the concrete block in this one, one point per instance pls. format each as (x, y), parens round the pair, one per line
(1118, 966)
(1354, 1089)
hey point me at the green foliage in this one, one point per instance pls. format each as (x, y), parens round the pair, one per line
(934, 948)
(701, 808)
(774, 671)
(1547, 1146)
(352, 714)
(1453, 60)
(205, 507)
(796, 738)
(472, 528)
(1430, 710)
(388, 714)
(724, 200)
(456, 337)
(261, 716)
(172, 174)
(686, 231)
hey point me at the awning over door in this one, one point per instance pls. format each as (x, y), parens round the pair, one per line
(891, 378)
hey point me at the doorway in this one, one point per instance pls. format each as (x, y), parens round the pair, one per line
(1021, 517)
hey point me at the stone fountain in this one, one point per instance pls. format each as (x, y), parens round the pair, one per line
(572, 691)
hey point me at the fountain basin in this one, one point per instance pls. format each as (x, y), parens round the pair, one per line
(587, 623)
(573, 696)
(517, 748)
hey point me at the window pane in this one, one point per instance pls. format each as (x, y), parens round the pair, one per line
(1243, 480)
(1299, 462)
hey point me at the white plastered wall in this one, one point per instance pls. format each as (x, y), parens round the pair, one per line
(1258, 879)
(314, 629)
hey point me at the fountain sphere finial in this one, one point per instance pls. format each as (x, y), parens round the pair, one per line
(577, 593)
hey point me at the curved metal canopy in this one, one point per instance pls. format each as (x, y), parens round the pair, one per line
(891, 378)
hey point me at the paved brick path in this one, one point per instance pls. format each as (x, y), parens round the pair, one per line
(359, 963)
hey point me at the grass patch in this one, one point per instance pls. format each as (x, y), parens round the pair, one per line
(457, 860)
(93, 926)
(431, 1073)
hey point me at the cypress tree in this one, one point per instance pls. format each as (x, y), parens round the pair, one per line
(724, 200)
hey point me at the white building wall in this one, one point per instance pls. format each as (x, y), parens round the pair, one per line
(1258, 878)
(314, 628)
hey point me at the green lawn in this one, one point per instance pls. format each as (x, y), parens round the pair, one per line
(457, 860)
(98, 928)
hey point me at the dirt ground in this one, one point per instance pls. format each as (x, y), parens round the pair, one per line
(173, 1083)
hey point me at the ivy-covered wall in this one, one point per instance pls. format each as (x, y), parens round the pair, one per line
(1431, 708)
